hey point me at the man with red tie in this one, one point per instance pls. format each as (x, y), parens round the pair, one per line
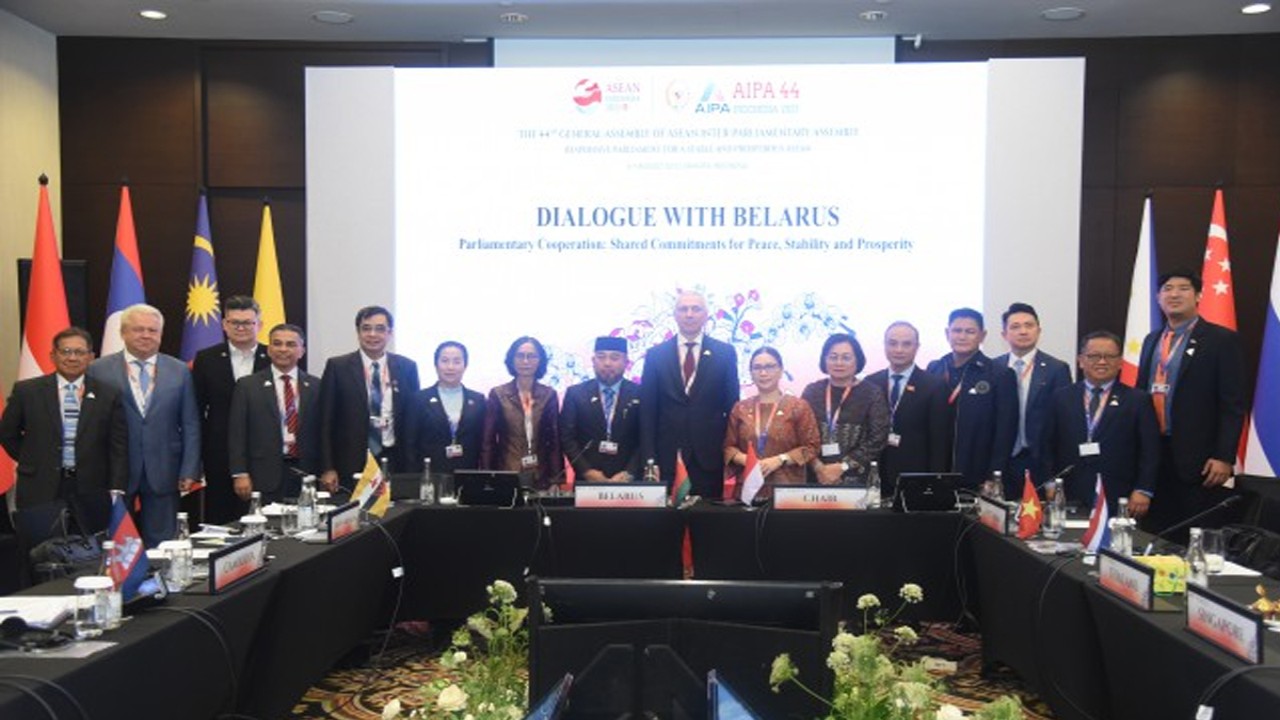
(1193, 370)
(274, 431)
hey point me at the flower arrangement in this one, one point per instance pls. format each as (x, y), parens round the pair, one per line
(871, 685)
(486, 676)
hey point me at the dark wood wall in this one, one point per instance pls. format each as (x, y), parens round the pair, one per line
(1176, 116)
(173, 116)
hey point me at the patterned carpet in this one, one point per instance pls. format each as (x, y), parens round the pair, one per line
(360, 692)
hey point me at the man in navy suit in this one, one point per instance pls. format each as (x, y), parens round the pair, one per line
(982, 400)
(67, 433)
(688, 387)
(600, 419)
(1099, 426)
(1039, 376)
(274, 430)
(364, 403)
(919, 435)
(1193, 370)
(164, 422)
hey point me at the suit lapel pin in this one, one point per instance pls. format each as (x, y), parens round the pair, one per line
(1191, 351)
(595, 399)
(435, 400)
(706, 353)
(911, 388)
(89, 396)
(1115, 402)
(266, 383)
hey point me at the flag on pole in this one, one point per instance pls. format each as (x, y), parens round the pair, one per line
(202, 320)
(1144, 314)
(266, 279)
(1218, 303)
(1098, 534)
(373, 492)
(680, 486)
(1031, 511)
(46, 314)
(126, 275)
(752, 477)
(133, 567)
(1262, 456)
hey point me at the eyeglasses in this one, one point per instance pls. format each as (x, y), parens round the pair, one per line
(528, 357)
(72, 352)
(1101, 357)
(840, 358)
(242, 324)
(379, 329)
(765, 368)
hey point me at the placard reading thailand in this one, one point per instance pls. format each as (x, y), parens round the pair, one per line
(571, 203)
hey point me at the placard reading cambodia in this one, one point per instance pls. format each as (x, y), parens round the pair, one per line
(571, 203)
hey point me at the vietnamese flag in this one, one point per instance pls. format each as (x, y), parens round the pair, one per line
(1032, 514)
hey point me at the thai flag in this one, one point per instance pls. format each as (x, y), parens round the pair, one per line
(1098, 535)
(133, 567)
(1263, 454)
(126, 276)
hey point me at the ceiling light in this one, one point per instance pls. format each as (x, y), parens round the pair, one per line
(154, 14)
(514, 18)
(333, 17)
(1060, 14)
(1256, 8)
(873, 15)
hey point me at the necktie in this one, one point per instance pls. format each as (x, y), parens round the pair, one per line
(144, 381)
(1018, 366)
(609, 398)
(690, 362)
(70, 417)
(1095, 399)
(375, 407)
(290, 417)
(895, 392)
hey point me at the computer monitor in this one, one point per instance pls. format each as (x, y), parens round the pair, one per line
(926, 492)
(723, 702)
(493, 488)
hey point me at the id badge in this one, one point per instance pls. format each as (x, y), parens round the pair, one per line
(1090, 449)
(529, 461)
(895, 439)
(1161, 388)
(830, 449)
(453, 451)
(608, 447)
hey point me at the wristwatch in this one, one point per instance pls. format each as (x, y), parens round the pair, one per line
(783, 458)
(844, 466)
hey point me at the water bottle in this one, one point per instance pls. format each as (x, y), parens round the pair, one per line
(255, 503)
(873, 486)
(426, 490)
(1197, 563)
(993, 488)
(1122, 529)
(184, 528)
(307, 503)
(1055, 519)
(650, 471)
(108, 569)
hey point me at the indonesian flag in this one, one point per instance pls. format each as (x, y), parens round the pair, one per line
(752, 478)
(1098, 535)
(1144, 315)
(1031, 511)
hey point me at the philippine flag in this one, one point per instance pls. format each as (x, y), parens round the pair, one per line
(1263, 454)
(1098, 535)
(126, 276)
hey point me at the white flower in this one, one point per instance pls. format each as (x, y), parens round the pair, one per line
(949, 712)
(868, 601)
(912, 593)
(459, 656)
(843, 642)
(838, 661)
(452, 699)
(906, 634)
(502, 591)
(514, 712)
(392, 709)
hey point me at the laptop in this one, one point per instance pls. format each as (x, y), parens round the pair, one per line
(926, 492)
(724, 703)
(553, 703)
(487, 488)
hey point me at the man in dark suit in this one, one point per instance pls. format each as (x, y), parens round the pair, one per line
(274, 431)
(159, 400)
(1099, 426)
(688, 387)
(1039, 376)
(600, 419)
(215, 371)
(1193, 370)
(982, 401)
(364, 403)
(918, 432)
(67, 433)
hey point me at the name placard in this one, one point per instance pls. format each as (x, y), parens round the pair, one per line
(343, 521)
(1130, 581)
(819, 497)
(1224, 623)
(234, 563)
(993, 514)
(619, 495)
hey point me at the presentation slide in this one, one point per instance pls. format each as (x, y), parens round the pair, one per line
(801, 200)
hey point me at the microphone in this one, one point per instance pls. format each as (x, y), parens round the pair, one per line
(1185, 523)
(559, 477)
(1056, 476)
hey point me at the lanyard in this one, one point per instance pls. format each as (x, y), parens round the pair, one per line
(762, 436)
(526, 403)
(946, 370)
(1091, 421)
(454, 421)
(831, 418)
(1026, 371)
(1168, 349)
(608, 417)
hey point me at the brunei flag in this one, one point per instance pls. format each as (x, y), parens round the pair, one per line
(373, 491)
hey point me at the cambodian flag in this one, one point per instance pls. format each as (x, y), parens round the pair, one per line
(133, 567)
(1263, 454)
(126, 276)
(202, 324)
(1098, 535)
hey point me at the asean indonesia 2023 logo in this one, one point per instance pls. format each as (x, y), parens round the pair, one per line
(587, 96)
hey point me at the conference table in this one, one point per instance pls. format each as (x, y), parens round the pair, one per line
(255, 648)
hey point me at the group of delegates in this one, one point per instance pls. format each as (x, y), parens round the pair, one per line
(247, 418)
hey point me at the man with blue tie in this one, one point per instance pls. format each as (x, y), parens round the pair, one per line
(918, 432)
(159, 399)
(600, 419)
(1039, 376)
(68, 435)
(1099, 426)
